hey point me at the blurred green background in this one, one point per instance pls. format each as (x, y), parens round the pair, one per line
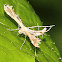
(50, 12)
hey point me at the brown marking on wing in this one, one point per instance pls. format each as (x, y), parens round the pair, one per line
(40, 32)
(35, 41)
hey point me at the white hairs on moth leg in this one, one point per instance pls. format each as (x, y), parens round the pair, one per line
(26, 30)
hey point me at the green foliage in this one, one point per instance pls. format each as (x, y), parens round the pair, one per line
(10, 41)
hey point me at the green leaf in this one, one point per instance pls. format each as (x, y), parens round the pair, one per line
(10, 41)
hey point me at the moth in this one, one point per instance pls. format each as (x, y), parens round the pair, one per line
(32, 34)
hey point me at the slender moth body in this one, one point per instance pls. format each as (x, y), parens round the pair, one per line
(26, 30)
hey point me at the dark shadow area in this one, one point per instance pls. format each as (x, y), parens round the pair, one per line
(36, 60)
(50, 13)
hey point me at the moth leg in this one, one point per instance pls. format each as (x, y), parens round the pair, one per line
(23, 42)
(15, 29)
(37, 37)
(35, 51)
(38, 27)
(12, 29)
(38, 30)
(19, 27)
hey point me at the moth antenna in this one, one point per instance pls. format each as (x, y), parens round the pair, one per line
(23, 42)
(50, 28)
(41, 26)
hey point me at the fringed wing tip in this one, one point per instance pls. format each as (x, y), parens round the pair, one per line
(36, 43)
